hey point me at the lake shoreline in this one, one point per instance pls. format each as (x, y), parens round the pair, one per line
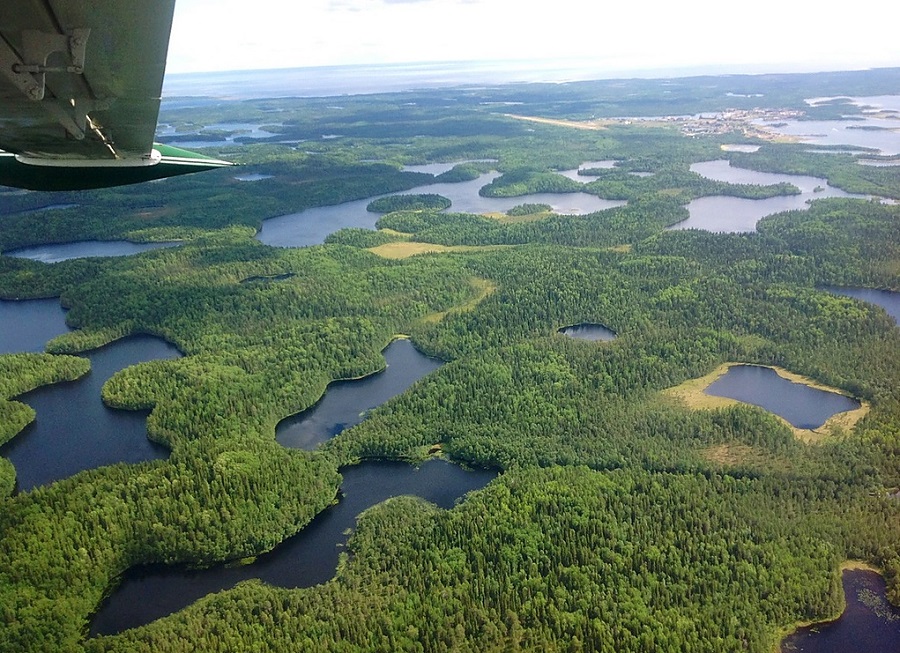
(692, 394)
(848, 565)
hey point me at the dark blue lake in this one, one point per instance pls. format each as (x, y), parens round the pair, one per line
(83, 249)
(592, 332)
(26, 326)
(869, 624)
(889, 301)
(345, 402)
(75, 431)
(804, 407)
(306, 559)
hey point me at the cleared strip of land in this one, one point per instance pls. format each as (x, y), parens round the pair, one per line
(483, 288)
(405, 249)
(575, 124)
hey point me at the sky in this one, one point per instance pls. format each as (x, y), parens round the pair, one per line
(629, 35)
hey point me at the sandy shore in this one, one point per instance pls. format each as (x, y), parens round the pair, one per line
(692, 393)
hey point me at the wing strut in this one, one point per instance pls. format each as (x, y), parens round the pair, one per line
(28, 71)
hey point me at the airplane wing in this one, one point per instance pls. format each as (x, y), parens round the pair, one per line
(80, 87)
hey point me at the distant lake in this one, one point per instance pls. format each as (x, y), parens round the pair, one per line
(440, 168)
(208, 135)
(75, 431)
(310, 227)
(253, 176)
(804, 407)
(306, 559)
(48, 207)
(83, 249)
(869, 624)
(877, 133)
(889, 301)
(740, 147)
(845, 132)
(26, 326)
(345, 402)
(592, 332)
(876, 163)
(606, 164)
(720, 213)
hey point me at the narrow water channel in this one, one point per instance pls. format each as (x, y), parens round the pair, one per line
(306, 559)
(346, 402)
(74, 430)
(719, 213)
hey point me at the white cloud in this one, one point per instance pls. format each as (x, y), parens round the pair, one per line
(235, 34)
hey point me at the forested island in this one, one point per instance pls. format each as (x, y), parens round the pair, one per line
(622, 517)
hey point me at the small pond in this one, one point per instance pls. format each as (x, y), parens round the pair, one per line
(306, 559)
(75, 431)
(588, 331)
(346, 402)
(869, 624)
(802, 406)
(84, 249)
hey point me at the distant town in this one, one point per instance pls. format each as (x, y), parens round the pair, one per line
(754, 123)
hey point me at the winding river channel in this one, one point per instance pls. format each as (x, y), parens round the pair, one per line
(346, 402)
(306, 559)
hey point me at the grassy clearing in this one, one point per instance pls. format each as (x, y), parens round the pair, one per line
(483, 289)
(518, 219)
(406, 249)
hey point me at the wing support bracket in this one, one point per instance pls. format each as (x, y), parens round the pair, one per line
(28, 72)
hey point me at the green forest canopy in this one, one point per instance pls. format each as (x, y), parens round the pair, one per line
(617, 523)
